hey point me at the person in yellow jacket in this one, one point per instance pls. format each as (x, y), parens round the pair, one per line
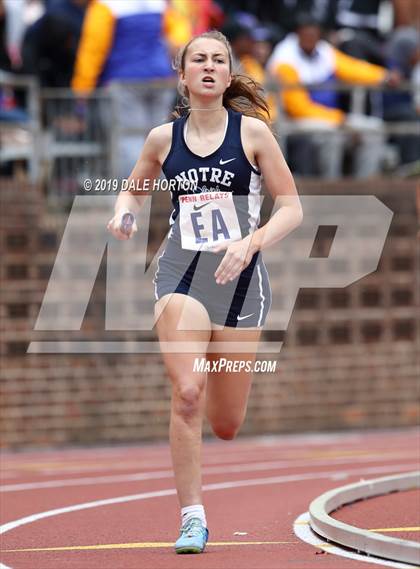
(128, 40)
(303, 59)
(127, 43)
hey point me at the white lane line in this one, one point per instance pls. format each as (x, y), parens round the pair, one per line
(304, 532)
(160, 474)
(207, 487)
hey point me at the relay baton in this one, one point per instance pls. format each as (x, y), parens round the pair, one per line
(127, 223)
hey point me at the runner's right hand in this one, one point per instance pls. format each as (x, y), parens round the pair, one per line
(115, 226)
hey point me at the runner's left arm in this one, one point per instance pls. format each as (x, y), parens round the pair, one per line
(281, 186)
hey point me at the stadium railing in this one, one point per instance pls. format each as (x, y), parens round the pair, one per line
(68, 139)
(20, 129)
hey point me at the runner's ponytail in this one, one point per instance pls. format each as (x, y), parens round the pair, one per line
(246, 96)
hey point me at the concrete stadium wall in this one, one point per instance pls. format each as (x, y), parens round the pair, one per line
(349, 360)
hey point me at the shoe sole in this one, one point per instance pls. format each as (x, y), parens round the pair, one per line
(189, 550)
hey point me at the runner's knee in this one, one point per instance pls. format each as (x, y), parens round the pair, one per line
(187, 399)
(227, 430)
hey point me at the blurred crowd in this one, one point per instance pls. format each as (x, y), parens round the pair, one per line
(287, 45)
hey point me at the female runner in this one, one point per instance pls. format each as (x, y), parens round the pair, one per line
(211, 283)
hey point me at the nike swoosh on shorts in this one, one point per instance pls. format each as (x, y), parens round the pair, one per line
(243, 317)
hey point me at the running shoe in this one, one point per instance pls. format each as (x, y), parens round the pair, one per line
(193, 537)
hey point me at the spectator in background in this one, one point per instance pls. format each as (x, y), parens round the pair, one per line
(7, 102)
(19, 15)
(232, 7)
(203, 15)
(404, 56)
(127, 43)
(50, 44)
(362, 31)
(5, 63)
(243, 44)
(14, 16)
(266, 37)
(364, 24)
(302, 57)
(283, 13)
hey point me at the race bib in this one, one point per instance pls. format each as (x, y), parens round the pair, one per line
(207, 220)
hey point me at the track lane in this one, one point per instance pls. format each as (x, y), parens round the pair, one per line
(266, 511)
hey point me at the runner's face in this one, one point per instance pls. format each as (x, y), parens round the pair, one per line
(207, 69)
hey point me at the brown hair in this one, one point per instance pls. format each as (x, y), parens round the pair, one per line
(243, 94)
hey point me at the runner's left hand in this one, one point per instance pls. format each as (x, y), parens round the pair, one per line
(237, 257)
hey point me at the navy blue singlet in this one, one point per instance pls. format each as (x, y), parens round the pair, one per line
(245, 301)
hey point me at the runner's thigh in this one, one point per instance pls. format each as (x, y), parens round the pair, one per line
(184, 330)
(228, 391)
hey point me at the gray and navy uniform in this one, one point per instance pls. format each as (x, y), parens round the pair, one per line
(245, 301)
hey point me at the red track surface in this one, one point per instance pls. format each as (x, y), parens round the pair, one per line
(392, 512)
(272, 481)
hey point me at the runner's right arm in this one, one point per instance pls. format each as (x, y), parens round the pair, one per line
(148, 168)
